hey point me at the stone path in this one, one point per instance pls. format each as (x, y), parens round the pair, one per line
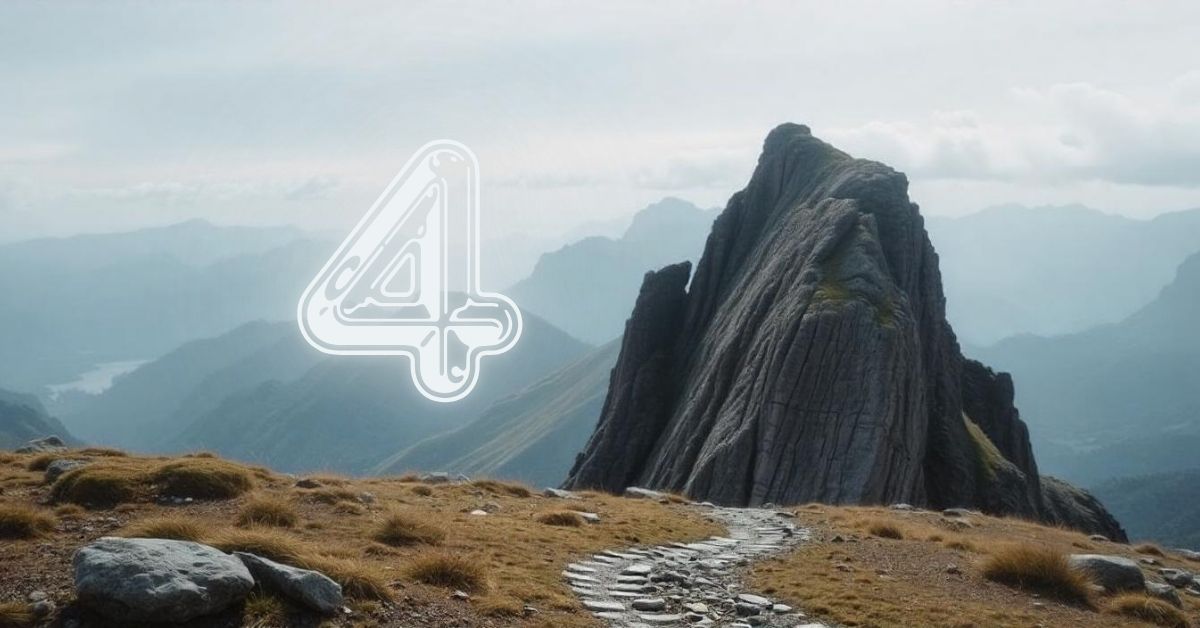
(690, 584)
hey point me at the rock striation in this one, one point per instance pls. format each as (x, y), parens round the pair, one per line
(810, 359)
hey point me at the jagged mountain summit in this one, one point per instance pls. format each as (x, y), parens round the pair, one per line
(810, 360)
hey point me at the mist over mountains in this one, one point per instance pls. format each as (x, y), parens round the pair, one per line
(1012, 270)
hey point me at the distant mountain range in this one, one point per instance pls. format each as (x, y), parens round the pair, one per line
(1163, 506)
(22, 419)
(587, 288)
(1117, 400)
(145, 408)
(1053, 270)
(72, 303)
(531, 436)
(348, 414)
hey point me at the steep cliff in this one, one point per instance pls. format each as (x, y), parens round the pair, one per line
(810, 358)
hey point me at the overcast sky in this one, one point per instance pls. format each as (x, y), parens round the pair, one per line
(116, 115)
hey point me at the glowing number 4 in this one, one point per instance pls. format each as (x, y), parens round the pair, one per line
(406, 279)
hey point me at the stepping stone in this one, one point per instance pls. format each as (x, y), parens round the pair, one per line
(607, 559)
(756, 600)
(586, 591)
(699, 608)
(578, 577)
(638, 588)
(604, 606)
(637, 569)
(626, 594)
(610, 615)
(631, 579)
(578, 568)
(649, 604)
(661, 620)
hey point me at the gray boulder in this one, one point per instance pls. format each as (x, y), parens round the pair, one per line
(1176, 577)
(311, 589)
(48, 444)
(156, 580)
(55, 469)
(1164, 592)
(1114, 573)
(558, 493)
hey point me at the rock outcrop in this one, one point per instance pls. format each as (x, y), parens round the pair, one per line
(157, 580)
(810, 359)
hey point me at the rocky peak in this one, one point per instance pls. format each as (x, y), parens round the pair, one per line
(810, 359)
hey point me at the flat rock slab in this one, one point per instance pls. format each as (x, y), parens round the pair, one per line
(156, 580)
(1114, 573)
(308, 588)
(603, 606)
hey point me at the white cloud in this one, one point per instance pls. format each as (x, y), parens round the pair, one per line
(1064, 133)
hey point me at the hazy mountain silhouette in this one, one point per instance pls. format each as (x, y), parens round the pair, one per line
(1163, 506)
(349, 413)
(587, 288)
(1054, 270)
(1117, 400)
(155, 402)
(22, 419)
(531, 436)
(70, 303)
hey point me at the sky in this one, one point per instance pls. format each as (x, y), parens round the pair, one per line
(120, 115)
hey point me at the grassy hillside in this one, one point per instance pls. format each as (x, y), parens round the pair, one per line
(532, 436)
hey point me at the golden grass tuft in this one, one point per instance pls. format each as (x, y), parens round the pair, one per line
(505, 607)
(1038, 569)
(167, 527)
(268, 511)
(263, 611)
(102, 452)
(16, 615)
(884, 529)
(565, 518)
(203, 478)
(503, 488)
(1148, 609)
(41, 461)
(399, 529)
(330, 496)
(451, 571)
(1149, 548)
(271, 543)
(359, 580)
(100, 484)
(960, 544)
(22, 522)
(69, 511)
(422, 490)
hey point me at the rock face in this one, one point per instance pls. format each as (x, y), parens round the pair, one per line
(810, 359)
(155, 580)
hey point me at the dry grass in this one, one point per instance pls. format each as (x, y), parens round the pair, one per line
(23, 522)
(399, 529)
(885, 529)
(1149, 548)
(69, 511)
(503, 488)
(203, 478)
(332, 537)
(359, 580)
(422, 490)
(1039, 569)
(101, 452)
(564, 518)
(1148, 609)
(266, 510)
(171, 527)
(100, 485)
(41, 461)
(263, 611)
(269, 543)
(450, 571)
(15, 615)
